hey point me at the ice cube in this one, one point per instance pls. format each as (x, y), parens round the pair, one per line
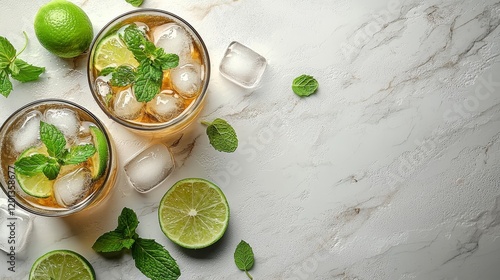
(102, 86)
(186, 80)
(28, 134)
(165, 106)
(150, 167)
(126, 105)
(173, 38)
(242, 66)
(73, 187)
(65, 120)
(15, 226)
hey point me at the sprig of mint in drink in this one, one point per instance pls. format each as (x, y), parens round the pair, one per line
(147, 78)
(58, 155)
(151, 258)
(243, 257)
(15, 67)
(222, 135)
(304, 85)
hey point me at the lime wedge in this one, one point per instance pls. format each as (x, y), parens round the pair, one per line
(99, 160)
(61, 265)
(37, 185)
(194, 213)
(111, 51)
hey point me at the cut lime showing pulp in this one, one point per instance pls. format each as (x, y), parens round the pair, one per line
(112, 52)
(194, 213)
(100, 159)
(37, 185)
(62, 265)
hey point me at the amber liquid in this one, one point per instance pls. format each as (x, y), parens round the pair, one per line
(153, 22)
(9, 156)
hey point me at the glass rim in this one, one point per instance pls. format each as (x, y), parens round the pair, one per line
(54, 212)
(149, 126)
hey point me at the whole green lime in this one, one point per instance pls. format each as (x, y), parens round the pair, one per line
(63, 28)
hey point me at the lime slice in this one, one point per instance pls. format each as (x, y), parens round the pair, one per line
(62, 265)
(194, 213)
(99, 160)
(37, 185)
(111, 51)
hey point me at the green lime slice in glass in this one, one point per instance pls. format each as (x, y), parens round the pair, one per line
(99, 160)
(62, 265)
(112, 52)
(37, 185)
(194, 213)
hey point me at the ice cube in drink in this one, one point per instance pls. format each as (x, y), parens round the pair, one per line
(78, 183)
(179, 98)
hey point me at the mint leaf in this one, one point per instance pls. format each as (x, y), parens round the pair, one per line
(127, 223)
(13, 69)
(112, 242)
(243, 257)
(222, 136)
(135, 3)
(304, 85)
(79, 154)
(51, 169)
(38, 163)
(154, 261)
(7, 52)
(122, 76)
(148, 82)
(165, 60)
(31, 165)
(106, 71)
(53, 139)
(5, 84)
(27, 72)
(135, 41)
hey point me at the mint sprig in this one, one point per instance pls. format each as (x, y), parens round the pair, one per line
(121, 76)
(244, 258)
(222, 135)
(151, 258)
(152, 62)
(50, 165)
(11, 65)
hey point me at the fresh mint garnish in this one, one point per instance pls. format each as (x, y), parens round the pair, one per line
(151, 258)
(304, 85)
(153, 61)
(120, 76)
(135, 3)
(243, 257)
(54, 141)
(15, 67)
(154, 261)
(222, 135)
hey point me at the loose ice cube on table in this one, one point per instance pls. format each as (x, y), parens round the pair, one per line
(126, 105)
(65, 120)
(165, 106)
(150, 167)
(242, 66)
(28, 134)
(15, 227)
(73, 187)
(186, 79)
(173, 38)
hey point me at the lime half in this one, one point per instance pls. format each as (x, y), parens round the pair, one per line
(194, 213)
(37, 185)
(62, 265)
(99, 160)
(111, 51)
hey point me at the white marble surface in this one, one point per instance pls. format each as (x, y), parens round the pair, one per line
(390, 171)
